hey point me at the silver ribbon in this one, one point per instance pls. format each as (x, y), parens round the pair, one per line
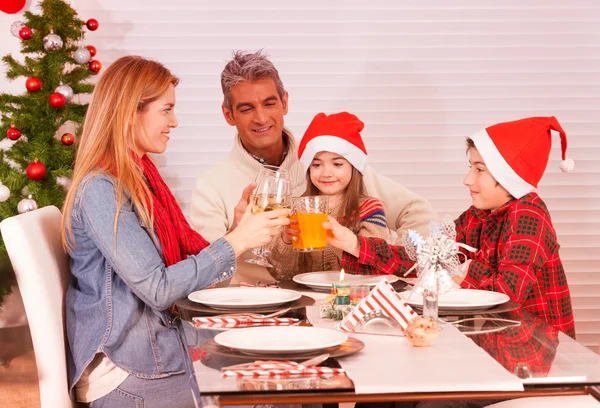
(436, 257)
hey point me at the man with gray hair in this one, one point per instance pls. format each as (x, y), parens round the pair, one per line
(255, 102)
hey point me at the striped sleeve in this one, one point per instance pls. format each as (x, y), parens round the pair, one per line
(371, 211)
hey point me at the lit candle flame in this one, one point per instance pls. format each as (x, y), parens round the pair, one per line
(342, 273)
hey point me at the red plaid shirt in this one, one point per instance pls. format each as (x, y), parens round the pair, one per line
(518, 255)
(528, 349)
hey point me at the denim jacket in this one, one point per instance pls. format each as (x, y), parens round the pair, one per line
(117, 301)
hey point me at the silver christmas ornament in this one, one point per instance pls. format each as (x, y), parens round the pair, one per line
(16, 27)
(4, 192)
(82, 55)
(66, 91)
(52, 42)
(27, 204)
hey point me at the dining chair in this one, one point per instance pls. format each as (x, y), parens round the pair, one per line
(562, 401)
(33, 242)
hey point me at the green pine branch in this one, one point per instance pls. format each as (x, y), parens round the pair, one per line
(38, 122)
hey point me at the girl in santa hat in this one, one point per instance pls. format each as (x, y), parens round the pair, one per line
(333, 152)
(508, 223)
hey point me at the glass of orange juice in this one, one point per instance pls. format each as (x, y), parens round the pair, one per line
(311, 212)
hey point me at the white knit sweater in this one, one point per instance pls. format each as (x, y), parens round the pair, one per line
(218, 190)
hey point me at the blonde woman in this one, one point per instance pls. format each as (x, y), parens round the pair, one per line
(132, 251)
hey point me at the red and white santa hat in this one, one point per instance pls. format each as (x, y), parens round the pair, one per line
(516, 153)
(337, 133)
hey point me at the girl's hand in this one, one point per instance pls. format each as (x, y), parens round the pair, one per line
(341, 237)
(256, 230)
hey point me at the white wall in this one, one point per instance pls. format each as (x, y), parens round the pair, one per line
(421, 75)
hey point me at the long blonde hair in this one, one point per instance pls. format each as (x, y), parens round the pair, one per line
(107, 142)
(349, 214)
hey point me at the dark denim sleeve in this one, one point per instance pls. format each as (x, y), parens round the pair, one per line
(135, 257)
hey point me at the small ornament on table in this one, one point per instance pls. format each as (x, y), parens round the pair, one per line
(52, 42)
(13, 133)
(4, 192)
(57, 100)
(33, 84)
(27, 204)
(95, 66)
(338, 303)
(67, 139)
(82, 55)
(437, 262)
(36, 170)
(422, 331)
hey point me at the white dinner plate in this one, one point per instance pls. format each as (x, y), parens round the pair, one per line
(321, 281)
(243, 298)
(460, 299)
(280, 339)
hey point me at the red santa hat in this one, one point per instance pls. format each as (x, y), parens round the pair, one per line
(337, 133)
(516, 153)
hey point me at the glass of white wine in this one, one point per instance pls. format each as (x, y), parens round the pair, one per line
(272, 193)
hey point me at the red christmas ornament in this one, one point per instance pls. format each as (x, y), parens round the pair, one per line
(12, 6)
(67, 139)
(91, 49)
(25, 33)
(92, 24)
(33, 84)
(13, 133)
(36, 171)
(95, 66)
(57, 100)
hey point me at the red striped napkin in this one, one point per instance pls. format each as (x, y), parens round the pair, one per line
(382, 297)
(242, 321)
(279, 369)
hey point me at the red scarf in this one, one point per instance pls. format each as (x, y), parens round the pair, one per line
(177, 239)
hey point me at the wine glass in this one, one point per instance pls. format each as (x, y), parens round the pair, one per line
(275, 171)
(272, 192)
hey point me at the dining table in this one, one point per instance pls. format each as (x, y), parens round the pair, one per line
(493, 356)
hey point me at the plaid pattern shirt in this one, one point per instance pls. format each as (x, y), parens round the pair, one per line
(526, 350)
(518, 256)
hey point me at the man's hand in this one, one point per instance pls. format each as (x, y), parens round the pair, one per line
(240, 208)
(341, 237)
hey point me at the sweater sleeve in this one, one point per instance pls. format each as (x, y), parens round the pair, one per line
(208, 213)
(404, 209)
(372, 219)
(377, 257)
(283, 258)
(525, 251)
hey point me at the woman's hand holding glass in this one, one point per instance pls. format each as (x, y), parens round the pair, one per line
(256, 230)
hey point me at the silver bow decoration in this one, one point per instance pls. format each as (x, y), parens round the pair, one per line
(437, 257)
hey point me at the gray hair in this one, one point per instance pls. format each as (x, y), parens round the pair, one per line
(248, 67)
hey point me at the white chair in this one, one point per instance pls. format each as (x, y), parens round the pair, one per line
(33, 242)
(569, 401)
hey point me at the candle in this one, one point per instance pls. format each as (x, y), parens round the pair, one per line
(341, 291)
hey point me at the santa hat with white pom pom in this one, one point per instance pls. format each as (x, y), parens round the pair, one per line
(516, 153)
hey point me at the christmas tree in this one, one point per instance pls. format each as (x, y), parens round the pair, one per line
(37, 162)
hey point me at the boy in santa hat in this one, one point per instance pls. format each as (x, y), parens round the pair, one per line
(508, 223)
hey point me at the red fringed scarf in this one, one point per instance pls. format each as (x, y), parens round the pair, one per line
(176, 237)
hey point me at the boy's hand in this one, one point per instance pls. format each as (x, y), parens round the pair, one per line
(341, 237)
(291, 232)
(465, 268)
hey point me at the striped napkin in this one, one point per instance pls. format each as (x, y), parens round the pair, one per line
(382, 297)
(241, 321)
(279, 369)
